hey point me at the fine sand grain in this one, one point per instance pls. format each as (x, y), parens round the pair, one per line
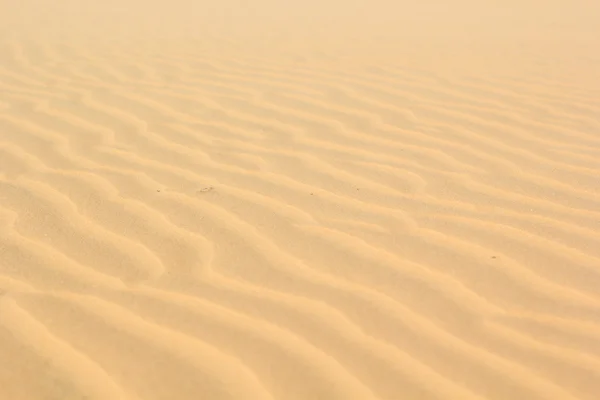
(299, 200)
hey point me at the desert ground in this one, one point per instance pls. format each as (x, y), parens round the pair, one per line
(299, 200)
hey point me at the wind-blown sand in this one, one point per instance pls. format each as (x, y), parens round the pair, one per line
(261, 200)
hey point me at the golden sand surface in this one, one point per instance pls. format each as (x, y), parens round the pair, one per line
(299, 200)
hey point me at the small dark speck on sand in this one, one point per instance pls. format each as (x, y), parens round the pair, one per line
(206, 189)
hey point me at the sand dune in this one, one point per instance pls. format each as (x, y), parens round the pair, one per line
(215, 201)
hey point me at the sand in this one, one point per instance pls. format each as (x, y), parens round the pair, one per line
(277, 200)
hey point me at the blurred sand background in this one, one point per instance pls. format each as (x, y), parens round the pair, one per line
(301, 200)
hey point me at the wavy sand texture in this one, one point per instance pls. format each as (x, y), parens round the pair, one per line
(342, 200)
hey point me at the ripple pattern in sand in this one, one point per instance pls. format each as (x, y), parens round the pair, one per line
(178, 226)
